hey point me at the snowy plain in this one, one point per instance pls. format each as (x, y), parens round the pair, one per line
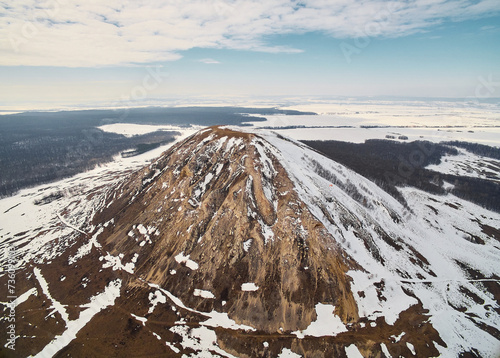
(357, 121)
(353, 121)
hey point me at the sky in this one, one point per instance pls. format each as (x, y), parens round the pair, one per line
(84, 53)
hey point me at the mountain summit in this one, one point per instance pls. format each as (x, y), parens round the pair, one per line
(241, 244)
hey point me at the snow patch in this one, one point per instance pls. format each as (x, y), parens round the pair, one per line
(203, 293)
(385, 350)
(180, 258)
(247, 244)
(221, 319)
(398, 338)
(143, 320)
(367, 296)
(200, 339)
(287, 353)
(411, 348)
(249, 287)
(146, 232)
(87, 248)
(70, 225)
(267, 231)
(353, 352)
(130, 129)
(109, 222)
(22, 298)
(56, 305)
(327, 323)
(116, 262)
(172, 347)
(155, 298)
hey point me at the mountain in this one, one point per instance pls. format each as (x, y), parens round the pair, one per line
(247, 244)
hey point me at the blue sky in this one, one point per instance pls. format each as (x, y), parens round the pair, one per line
(84, 53)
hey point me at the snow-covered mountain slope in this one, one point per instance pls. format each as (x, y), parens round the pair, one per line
(249, 245)
(444, 252)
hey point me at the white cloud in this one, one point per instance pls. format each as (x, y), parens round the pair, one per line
(488, 28)
(209, 61)
(123, 32)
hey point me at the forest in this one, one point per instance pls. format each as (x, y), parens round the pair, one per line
(40, 147)
(393, 164)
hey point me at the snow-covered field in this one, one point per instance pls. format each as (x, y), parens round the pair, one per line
(130, 129)
(432, 121)
(486, 136)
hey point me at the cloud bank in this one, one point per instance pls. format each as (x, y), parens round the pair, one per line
(89, 33)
